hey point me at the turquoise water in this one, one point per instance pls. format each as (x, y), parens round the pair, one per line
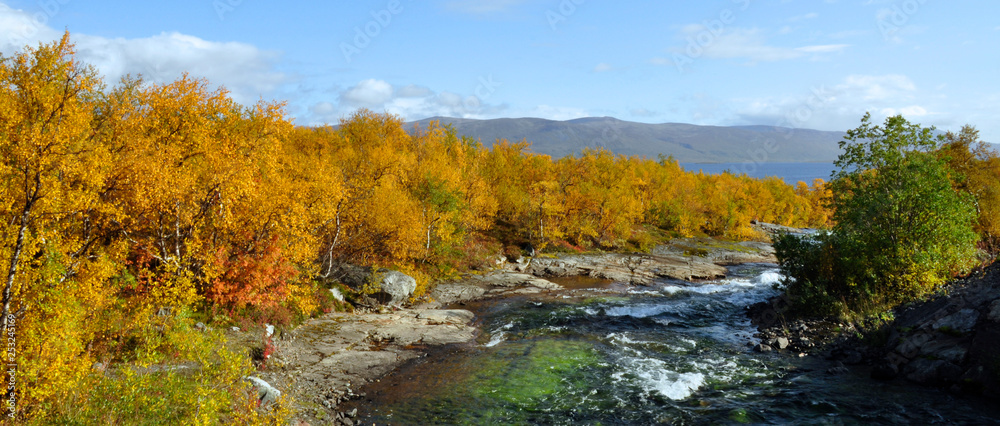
(791, 173)
(672, 353)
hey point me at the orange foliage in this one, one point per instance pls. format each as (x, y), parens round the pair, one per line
(118, 202)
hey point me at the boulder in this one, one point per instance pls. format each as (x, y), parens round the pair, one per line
(779, 342)
(392, 287)
(958, 322)
(267, 394)
(398, 286)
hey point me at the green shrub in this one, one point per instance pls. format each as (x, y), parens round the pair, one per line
(901, 229)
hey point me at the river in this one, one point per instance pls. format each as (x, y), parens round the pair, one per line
(671, 353)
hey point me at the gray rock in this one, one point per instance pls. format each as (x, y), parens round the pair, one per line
(947, 349)
(910, 347)
(779, 342)
(924, 371)
(762, 347)
(960, 322)
(393, 287)
(267, 394)
(398, 285)
(456, 292)
(446, 316)
(995, 311)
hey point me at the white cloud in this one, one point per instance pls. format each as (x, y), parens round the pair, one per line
(603, 67)
(413, 91)
(557, 113)
(812, 15)
(643, 112)
(412, 102)
(839, 107)
(246, 71)
(368, 93)
(822, 48)
(481, 7)
(744, 43)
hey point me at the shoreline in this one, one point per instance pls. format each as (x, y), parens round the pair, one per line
(325, 361)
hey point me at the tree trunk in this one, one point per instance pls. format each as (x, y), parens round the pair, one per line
(29, 203)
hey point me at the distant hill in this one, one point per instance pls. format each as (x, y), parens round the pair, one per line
(688, 143)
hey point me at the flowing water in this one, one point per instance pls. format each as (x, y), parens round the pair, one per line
(671, 353)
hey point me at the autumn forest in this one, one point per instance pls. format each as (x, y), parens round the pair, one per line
(122, 201)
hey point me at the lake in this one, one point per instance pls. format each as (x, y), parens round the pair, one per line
(791, 173)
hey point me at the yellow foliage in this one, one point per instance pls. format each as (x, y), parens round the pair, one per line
(119, 203)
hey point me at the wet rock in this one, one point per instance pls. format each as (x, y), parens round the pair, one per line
(762, 347)
(838, 368)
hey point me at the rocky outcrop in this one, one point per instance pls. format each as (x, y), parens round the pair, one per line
(719, 252)
(952, 340)
(324, 359)
(689, 259)
(392, 287)
(772, 230)
(632, 268)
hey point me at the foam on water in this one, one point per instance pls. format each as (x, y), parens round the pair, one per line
(653, 375)
(639, 311)
(499, 335)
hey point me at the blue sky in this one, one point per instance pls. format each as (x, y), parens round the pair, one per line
(808, 64)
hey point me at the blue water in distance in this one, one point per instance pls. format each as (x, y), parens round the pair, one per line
(791, 173)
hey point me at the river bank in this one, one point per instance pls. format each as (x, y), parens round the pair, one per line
(325, 363)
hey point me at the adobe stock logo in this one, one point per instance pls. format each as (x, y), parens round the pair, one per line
(565, 9)
(223, 7)
(37, 20)
(891, 20)
(363, 35)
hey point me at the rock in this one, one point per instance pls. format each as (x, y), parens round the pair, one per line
(838, 368)
(457, 292)
(200, 326)
(762, 347)
(268, 330)
(959, 322)
(234, 328)
(779, 342)
(398, 285)
(446, 316)
(393, 287)
(267, 393)
(910, 347)
(995, 311)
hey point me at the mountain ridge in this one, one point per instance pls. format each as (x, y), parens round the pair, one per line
(687, 143)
